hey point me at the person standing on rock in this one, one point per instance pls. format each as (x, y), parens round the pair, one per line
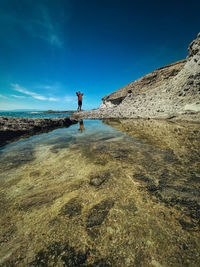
(79, 94)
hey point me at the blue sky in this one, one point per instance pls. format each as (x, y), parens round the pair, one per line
(51, 48)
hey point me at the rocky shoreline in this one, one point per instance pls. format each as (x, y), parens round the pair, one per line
(98, 115)
(64, 111)
(12, 128)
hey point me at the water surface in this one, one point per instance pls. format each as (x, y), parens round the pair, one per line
(112, 193)
(33, 114)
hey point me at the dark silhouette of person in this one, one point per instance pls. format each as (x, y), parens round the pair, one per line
(79, 94)
(81, 126)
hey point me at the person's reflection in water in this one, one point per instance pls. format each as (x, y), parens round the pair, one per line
(81, 126)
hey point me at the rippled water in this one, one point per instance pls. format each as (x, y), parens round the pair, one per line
(112, 193)
(33, 114)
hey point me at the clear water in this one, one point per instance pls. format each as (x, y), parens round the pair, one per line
(112, 193)
(33, 114)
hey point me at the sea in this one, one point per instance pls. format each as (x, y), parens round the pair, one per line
(33, 114)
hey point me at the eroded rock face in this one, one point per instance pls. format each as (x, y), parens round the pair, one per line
(194, 47)
(12, 128)
(146, 82)
(170, 91)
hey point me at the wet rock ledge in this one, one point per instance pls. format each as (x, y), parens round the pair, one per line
(11, 128)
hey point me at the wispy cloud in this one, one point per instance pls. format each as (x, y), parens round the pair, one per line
(45, 28)
(18, 96)
(40, 23)
(53, 99)
(3, 96)
(22, 90)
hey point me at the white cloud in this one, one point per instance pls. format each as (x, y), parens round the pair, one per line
(53, 99)
(22, 90)
(3, 96)
(18, 96)
(40, 97)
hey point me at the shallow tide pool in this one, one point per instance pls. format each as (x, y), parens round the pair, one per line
(102, 193)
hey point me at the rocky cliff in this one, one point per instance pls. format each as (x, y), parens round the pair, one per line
(170, 91)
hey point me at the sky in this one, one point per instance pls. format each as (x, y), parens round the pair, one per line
(49, 49)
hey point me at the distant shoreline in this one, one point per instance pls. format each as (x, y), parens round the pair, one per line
(54, 111)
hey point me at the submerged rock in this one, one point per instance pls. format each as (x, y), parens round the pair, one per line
(72, 208)
(99, 179)
(99, 212)
(61, 255)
